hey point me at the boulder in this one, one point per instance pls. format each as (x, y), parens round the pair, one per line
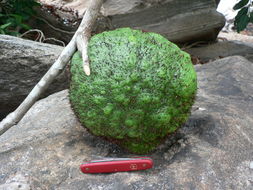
(211, 52)
(181, 21)
(22, 64)
(213, 150)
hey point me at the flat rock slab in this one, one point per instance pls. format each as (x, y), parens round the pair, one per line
(211, 52)
(213, 150)
(181, 21)
(234, 36)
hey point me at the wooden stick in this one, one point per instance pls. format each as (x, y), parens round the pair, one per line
(84, 33)
(80, 40)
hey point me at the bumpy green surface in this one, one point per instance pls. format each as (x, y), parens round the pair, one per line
(141, 88)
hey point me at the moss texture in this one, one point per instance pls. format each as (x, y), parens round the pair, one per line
(141, 88)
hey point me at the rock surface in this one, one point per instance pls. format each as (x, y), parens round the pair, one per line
(234, 36)
(22, 64)
(213, 150)
(211, 52)
(180, 21)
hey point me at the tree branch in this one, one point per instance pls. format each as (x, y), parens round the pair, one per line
(85, 32)
(79, 39)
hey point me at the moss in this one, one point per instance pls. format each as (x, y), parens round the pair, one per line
(141, 88)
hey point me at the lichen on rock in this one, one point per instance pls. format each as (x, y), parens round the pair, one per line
(141, 88)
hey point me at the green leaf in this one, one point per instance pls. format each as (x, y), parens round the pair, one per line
(25, 26)
(2, 31)
(4, 26)
(240, 4)
(14, 14)
(242, 12)
(17, 18)
(251, 17)
(242, 19)
(14, 33)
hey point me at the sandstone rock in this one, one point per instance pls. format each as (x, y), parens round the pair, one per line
(22, 64)
(16, 182)
(211, 52)
(234, 36)
(213, 150)
(110, 7)
(180, 21)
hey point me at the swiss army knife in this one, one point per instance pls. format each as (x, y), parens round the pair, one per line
(117, 165)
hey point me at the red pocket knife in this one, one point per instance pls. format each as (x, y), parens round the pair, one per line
(117, 165)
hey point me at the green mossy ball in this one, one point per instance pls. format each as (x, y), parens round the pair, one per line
(141, 88)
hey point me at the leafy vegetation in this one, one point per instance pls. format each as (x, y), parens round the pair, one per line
(244, 15)
(14, 14)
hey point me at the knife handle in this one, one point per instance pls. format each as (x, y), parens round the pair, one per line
(117, 166)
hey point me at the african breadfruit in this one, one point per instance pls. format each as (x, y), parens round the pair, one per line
(141, 88)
